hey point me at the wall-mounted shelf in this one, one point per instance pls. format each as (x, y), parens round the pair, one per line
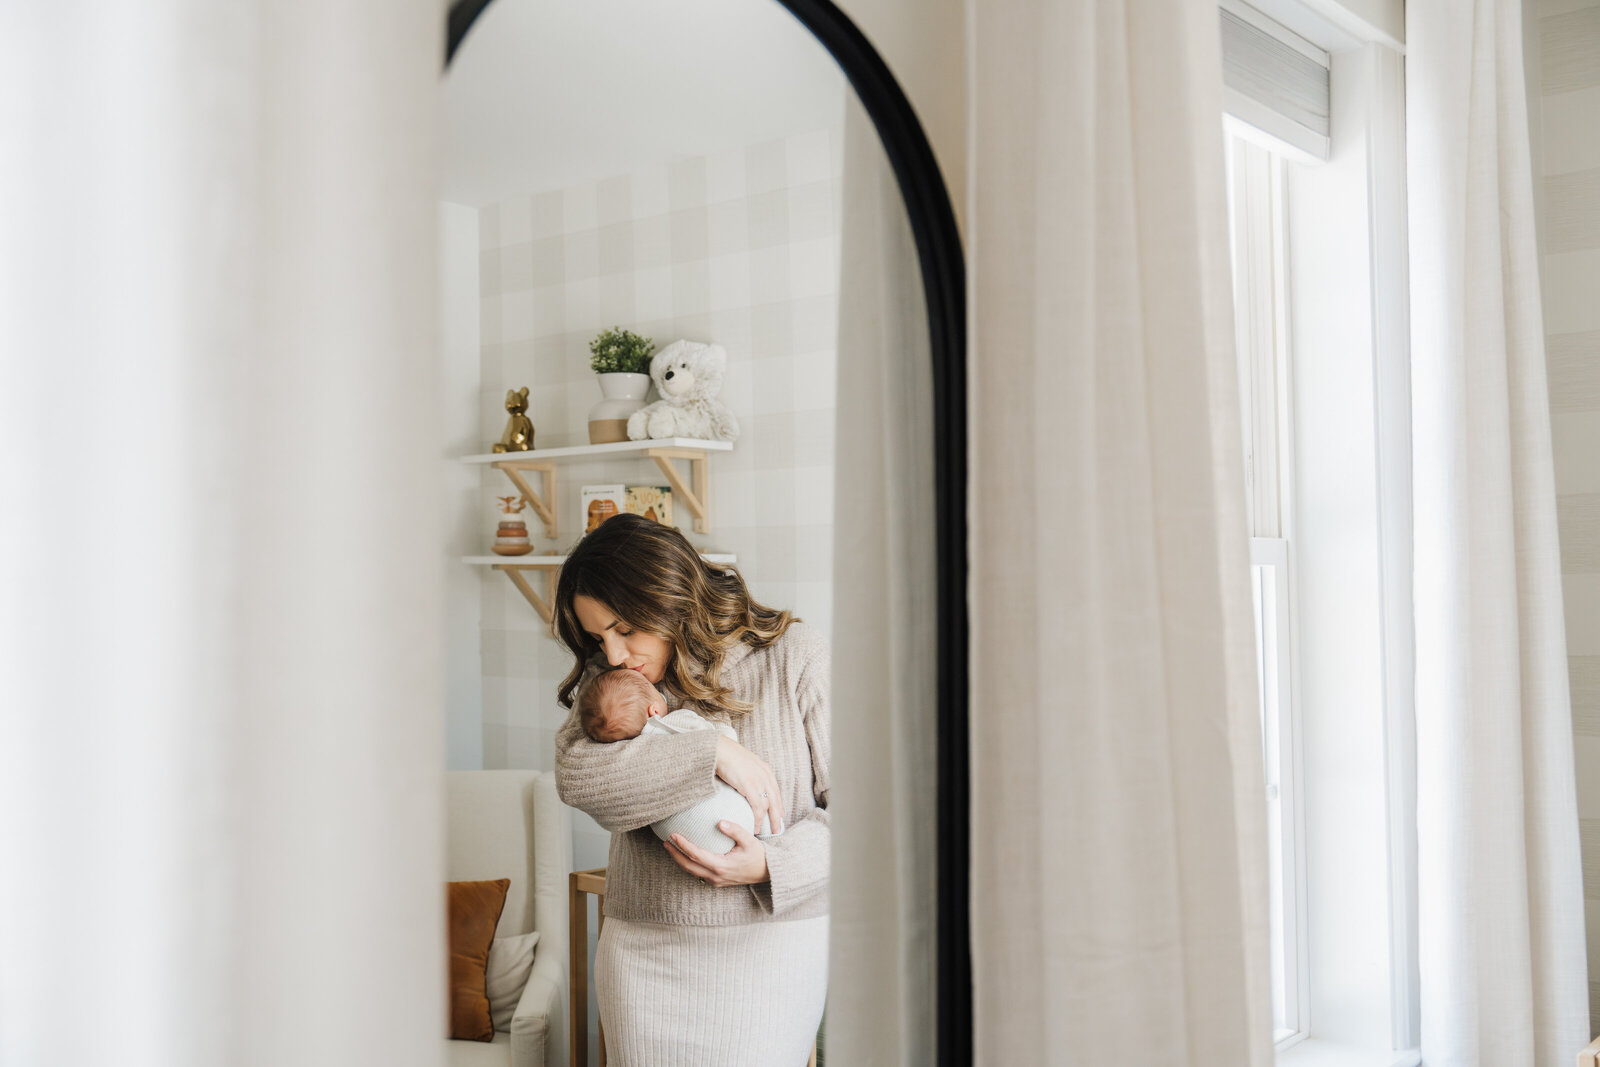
(513, 566)
(694, 494)
(620, 448)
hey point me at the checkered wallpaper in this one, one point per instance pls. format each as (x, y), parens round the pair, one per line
(740, 249)
(1569, 69)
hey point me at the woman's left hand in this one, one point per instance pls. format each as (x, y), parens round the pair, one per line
(745, 864)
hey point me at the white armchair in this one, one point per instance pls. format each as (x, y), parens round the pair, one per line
(511, 824)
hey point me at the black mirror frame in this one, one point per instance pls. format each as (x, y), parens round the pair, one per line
(933, 224)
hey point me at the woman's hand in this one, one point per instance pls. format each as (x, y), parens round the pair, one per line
(746, 864)
(751, 776)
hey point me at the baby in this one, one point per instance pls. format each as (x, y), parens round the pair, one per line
(620, 704)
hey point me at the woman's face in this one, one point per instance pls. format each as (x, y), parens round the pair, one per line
(622, 645)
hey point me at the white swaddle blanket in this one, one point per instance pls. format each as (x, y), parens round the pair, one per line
(698, 823)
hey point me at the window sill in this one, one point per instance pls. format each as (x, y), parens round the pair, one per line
(1318, 1053)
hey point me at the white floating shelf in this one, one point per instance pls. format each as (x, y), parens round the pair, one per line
(694, 497)
(533, 560)
(620, 448)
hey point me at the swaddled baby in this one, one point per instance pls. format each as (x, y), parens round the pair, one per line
(620, 704)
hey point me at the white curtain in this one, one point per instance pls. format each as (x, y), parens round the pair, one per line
(220, 745)
(1120, 898)
(1500, 879)
(881, 998)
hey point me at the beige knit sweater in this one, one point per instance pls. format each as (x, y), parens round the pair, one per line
(627, 785)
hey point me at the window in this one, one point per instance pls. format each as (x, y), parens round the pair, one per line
(1269, 566)
(1255, 210)
(1316, 191)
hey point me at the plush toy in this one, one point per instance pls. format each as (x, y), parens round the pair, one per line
(688, 375)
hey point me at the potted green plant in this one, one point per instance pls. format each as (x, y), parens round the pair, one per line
(621, 362)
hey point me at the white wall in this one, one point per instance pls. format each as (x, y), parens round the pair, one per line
(458, 390)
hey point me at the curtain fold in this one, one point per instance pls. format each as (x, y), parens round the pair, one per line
(1501, 934)
(882, 996)
(220, 740)
(1119, 879)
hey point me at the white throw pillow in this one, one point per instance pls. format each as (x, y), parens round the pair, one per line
(510, 963)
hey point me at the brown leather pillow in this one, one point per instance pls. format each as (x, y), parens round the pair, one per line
(474, 912)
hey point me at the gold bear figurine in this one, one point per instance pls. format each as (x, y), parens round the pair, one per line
(519, 428)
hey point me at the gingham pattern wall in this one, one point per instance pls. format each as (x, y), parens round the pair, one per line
(739, 248)
(1569, 77)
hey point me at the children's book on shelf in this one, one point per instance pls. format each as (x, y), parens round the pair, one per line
(654, 502)
(600, 502)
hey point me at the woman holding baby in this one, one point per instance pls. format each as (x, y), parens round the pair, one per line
(707, 957)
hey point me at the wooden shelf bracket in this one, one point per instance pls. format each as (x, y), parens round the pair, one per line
(516, 568)
(697, 499)
(693, 494)
(541, 604)
(543, 504)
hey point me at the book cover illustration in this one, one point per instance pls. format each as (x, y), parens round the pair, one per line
(654, 502)
(600, 502)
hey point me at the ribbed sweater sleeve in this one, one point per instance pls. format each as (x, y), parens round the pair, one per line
(628, 784)
(798, 859)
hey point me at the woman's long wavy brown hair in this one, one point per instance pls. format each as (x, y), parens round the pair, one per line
(655, 581)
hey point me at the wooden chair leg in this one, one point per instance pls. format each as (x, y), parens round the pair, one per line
(600, 1024)
(578, 993)
(812, 1062)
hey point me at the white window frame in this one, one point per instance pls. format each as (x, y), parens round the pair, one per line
(1343, 538)
(1255, 186)
(1269, 562)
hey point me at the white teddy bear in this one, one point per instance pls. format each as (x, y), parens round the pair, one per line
(688, 375)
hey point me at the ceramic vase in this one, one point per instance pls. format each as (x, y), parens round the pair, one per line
(624, 394)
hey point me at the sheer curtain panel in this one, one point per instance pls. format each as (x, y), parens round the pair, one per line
(1120, 896)
(220, 740)
(881, 999)
(1500, 882)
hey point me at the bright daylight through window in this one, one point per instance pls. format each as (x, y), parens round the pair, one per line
(1314, 146)
(1255, 195)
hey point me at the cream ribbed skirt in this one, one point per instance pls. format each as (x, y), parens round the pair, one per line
(711, 996)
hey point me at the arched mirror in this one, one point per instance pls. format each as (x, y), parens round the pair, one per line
(701, 275)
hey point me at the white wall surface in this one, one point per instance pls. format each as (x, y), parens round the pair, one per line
(662, 80)
(458, 390)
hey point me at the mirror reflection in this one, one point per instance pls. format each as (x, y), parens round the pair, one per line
(640, 241)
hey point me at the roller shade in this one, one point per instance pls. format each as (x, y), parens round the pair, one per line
(1274, 79)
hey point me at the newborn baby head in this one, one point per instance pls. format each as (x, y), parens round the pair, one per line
(615, 705)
